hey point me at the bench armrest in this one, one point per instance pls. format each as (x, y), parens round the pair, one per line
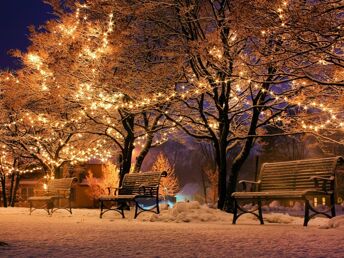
(245, 182)
(112, 190)
(324, 180)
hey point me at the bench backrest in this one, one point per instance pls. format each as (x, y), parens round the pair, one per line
(134, 183)
(61, 186)
(295, 175)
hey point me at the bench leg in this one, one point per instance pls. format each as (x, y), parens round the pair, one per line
(139, 208)
(333, 206)
(157, 205)
(121, 207)
(243, 211)
(306, 219)
(50, 207)
(136, 210)
(101, 209)
(70, 206)
(315, 212)
(235, 212)
(30, 207)
(47, 205)
(122, 213)
(260, 212)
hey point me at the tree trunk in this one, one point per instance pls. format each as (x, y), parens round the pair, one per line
(126, 157)
(127, 152)
(222, 168)
(11, 188)
(15, 189)
(57, 172)
(3, 188)
(237, 164)
(143, 153)
(222, 151)
(232, 183)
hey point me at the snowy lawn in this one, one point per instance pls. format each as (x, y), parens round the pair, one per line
(187, 230)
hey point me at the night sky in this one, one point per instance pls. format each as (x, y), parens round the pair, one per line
(15, 17)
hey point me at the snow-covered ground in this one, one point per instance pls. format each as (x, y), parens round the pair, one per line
(187, 230)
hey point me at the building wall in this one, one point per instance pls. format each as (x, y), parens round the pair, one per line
(80, 195)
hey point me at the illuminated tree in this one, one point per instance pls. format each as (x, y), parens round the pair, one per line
(212, 190)
(114, 89)
(169, 185)
(108, 181)
(9, 168)
(209, 174)
(251, 70)
(41, 126)
(14, 159)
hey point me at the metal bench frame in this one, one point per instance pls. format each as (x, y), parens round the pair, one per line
(50, 199)
(136, 188)
(291, 180)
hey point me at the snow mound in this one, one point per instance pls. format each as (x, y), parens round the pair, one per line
(336, 222)
(279, 218)
(298, 206)
(275, 205)
(189, 212)
(194, 212)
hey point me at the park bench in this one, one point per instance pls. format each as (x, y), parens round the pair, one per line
(140, 188)
(58, 191)
(291, 180)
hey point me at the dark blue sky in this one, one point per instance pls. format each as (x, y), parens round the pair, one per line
(15, 17)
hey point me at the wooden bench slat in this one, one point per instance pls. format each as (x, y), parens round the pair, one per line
(278, 194)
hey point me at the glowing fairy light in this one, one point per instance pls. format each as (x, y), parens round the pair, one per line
(34, 59)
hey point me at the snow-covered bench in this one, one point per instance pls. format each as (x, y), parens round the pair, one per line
(291, 180)
(140, 188)
(58, 191)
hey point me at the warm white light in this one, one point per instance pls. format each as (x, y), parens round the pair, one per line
(34, 59)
